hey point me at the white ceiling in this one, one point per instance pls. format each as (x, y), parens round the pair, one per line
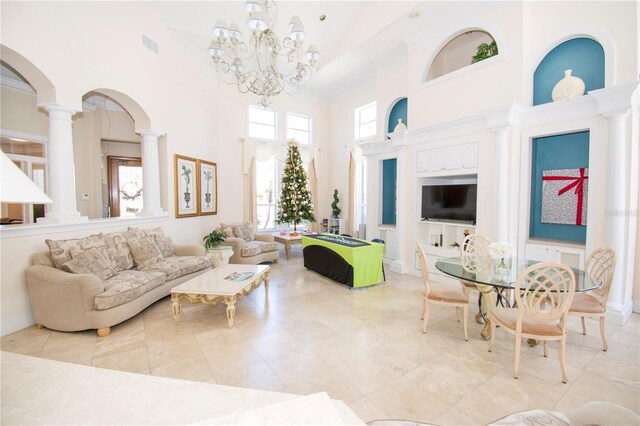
(354, 38)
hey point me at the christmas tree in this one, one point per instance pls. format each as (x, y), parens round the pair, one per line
(295, 204)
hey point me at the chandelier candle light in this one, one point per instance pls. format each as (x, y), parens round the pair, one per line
(265, 66)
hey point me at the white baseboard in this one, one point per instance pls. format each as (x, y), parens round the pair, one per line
(16, 323)
(399, 267)
(619, 316)
(636, 305)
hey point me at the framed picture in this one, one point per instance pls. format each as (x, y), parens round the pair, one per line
(207, 187)
(186, 176)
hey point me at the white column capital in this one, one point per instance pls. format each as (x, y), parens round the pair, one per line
(614, 101)
(58, 111)
(149, 134)
(503, 117)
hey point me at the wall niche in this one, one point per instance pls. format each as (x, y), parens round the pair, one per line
(464, 50)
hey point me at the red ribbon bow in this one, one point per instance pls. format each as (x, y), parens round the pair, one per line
(578, 183)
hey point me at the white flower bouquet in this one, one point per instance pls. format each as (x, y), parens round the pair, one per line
(500, 250)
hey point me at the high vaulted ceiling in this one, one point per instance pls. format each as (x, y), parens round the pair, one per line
(355, 37)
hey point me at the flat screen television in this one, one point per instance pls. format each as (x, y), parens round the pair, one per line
(449, 202)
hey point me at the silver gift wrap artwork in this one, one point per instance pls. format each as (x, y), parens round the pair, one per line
(564, 196)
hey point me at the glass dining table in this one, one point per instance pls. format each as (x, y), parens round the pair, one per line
(495, 283)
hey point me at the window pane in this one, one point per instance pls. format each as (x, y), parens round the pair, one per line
(266, 181)
(299, 135)
(22, 147)
(368, 129)
(297, 122)
(262, 116)
(266, 217)
(262, 131)
(38, 176)
(368, 114)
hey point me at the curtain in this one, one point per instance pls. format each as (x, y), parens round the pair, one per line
(250, 200)
(313, 187)
(353, 167)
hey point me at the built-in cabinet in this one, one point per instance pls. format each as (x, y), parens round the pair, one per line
(440, 240)
(449, 160)
(572, 255)
(390, 237)
(334, 226)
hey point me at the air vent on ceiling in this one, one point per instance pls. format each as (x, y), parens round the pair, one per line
(152, 45)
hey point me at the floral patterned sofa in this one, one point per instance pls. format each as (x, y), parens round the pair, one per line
(249, 247)
(101, 280)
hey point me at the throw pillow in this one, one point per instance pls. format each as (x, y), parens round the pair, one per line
(244, 230)
(164, 243)
(91, 261)
(119, 252)
(227, 229)
(60, 250)
(145, 252)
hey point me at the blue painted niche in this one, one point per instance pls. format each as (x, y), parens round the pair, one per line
(570, 151)
(389, 178)
(582, 55)
(399, 110)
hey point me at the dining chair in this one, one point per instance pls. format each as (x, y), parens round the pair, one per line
(543, 294)
(378, 240)
(474, 252)
(442, 294)
(599, 268)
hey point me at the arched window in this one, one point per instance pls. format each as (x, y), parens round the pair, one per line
(466, 49)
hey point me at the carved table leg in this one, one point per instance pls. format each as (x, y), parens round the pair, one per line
(265, 279)
(488, 302)
(287, 249)
(177, 309)
(231, 310)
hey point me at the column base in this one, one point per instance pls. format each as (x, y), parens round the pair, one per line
(618, 315)
(62, 220)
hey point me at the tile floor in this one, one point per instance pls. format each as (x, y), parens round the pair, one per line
(363, 346)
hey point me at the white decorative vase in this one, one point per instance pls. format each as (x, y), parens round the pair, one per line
(567, 88)
(400, 127)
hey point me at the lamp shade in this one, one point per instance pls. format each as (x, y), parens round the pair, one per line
(16, 187)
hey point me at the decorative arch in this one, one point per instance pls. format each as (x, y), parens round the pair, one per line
(140, 117)
(585, 56)
(397, 109)
(427, 74)
(45, 90)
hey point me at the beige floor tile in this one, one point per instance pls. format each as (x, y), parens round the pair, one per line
(404, 399)
(330, 381)
(571, 402)
(257, 375)
(602, 389)
(76, 348)
(196, 369)
(366, 373)
(131, 359)
(28, 341)
(337, 349)
(485, 406)
(229, 357)
(275, 344)
(297, 363)
(400, 356)
(367, 410)
(625, 372)
(453, 416)
(311, 332)
(181, 348)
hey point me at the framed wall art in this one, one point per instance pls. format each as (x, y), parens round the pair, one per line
(207, 187)
(186, 186)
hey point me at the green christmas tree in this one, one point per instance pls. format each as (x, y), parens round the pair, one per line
(295, 204)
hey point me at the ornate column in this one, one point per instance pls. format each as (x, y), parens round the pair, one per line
(61, 170)
(500, 122)
(150, 174)
(614, 104)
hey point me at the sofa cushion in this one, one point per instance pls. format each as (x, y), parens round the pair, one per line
(61, 249)
(244, 230)
(91, 261)
(266, 247)
(252, 248)
(126, 286)
(177, 266)
(227, 229)
(164, 243)
(119, 253)
(145, 252)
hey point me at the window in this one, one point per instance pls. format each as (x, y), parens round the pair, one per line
(366, 121)
(267, 192)
(361, 193)
(299, 128)
(262, 123)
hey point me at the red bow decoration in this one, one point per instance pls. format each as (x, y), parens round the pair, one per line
(578, 183)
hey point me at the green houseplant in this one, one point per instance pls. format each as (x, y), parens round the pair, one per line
(485, 51)
(214, 239)
(334, 206)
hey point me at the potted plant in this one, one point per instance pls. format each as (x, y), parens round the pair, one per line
(485, 51)
(213, 240)
(335, 210)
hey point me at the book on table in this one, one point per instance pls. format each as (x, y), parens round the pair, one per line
(239, 276)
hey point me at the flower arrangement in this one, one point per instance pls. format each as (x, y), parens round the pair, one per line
(500, 250)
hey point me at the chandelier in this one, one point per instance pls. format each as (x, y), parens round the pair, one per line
(265, 65)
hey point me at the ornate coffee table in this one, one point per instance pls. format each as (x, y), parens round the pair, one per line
(287, 240)
(227, 283)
